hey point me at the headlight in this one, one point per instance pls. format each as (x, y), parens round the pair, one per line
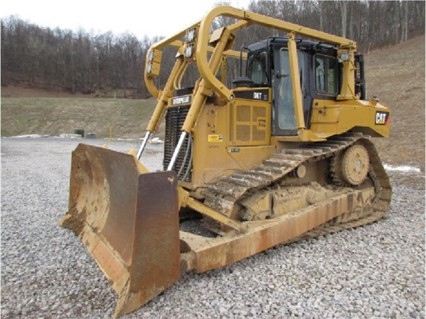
(189, 50)
(344, 56)
(153, 62)
(190, 35)
(150, 55)
(149, 68)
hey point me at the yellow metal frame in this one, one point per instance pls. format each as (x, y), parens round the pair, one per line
(249, 18)
(208, 69)
(209, 50)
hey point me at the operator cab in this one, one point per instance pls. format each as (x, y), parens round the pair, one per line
(320, 77)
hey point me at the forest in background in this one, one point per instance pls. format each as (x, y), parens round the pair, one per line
(82, 62)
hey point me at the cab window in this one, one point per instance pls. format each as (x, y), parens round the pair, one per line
(326, 75)
(258, 69)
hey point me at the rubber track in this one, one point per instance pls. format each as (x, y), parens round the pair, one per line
(225, 193)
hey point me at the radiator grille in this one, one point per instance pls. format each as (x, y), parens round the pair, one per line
(175, 117)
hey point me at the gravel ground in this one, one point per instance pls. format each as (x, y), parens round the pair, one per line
(376, 271)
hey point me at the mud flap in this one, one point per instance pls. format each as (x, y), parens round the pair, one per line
(128, 221)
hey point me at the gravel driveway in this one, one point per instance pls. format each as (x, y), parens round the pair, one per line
(376, 271)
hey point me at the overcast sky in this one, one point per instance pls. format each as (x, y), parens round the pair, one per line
(142, 17)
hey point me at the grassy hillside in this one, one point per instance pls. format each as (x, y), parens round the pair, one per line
(395, 74)
(56, 115)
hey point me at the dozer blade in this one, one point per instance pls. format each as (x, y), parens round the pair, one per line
(128, 221)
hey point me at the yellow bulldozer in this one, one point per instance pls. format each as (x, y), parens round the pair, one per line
(280, 152)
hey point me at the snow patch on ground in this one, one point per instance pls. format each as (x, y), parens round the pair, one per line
(66, 135)
(402, 168)
(29, 136)
(155, 140)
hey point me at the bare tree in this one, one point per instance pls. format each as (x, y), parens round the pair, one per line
(83, 62)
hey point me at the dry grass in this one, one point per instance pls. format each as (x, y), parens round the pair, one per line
(56, 115)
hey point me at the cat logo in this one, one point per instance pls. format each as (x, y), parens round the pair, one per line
(382, 118)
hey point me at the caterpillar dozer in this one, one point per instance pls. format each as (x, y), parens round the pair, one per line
(282, 151)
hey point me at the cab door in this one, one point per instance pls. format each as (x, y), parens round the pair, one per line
(283, 108)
